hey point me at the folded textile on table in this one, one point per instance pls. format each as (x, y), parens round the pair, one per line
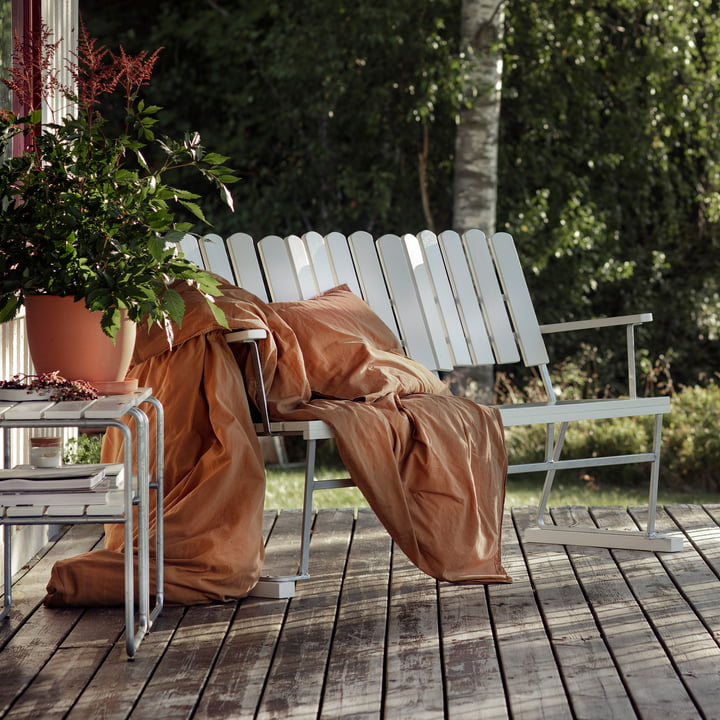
(431, 465)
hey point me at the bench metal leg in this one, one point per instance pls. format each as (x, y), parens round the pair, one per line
(598, 537)
(284, 586)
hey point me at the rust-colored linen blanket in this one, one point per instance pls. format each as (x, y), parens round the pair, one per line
(431, 465)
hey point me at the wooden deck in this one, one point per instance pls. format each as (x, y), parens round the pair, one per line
(581, 633)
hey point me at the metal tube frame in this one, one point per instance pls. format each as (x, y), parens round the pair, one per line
(140, 451)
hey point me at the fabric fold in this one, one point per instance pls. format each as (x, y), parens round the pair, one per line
(431, 465)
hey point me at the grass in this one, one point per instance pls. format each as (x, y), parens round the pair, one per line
(285, 491)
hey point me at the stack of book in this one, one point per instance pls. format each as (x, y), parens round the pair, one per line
(66, 490)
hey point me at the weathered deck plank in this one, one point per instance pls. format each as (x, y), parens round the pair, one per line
(533, 683)
(646, 669)
(296, 677)
(593, 685)
(581, 633)
(354, 679)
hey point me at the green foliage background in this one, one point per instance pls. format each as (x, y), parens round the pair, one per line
(320, 105)
(609, 144)
(610, 156)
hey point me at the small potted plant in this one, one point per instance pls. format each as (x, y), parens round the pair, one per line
(88, 210)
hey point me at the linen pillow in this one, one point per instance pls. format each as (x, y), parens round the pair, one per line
(349, 352)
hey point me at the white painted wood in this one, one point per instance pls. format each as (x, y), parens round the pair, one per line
(444, 297)
(31, 410)
(279, 269)
(215, 256)
(575, 410)
(435, 321)
(245, 335)
(274, 589)
(190, 247)
(373, 288)
(5, 406)
(114, 406)
(627, 540)
(491, 297)
(68, 409)
(406, 301)
(596, 323)
(246, 265)
(466, 298)
(320, 261)
(518, 299)
(304, 270)
(342, 262)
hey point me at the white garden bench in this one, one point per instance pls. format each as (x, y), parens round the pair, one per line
(452, 301)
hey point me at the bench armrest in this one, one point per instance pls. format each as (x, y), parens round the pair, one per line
(245, 335)
(251, 337)
(628, 321)
(596, 323)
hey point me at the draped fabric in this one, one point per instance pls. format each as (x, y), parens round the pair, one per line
(432, 466)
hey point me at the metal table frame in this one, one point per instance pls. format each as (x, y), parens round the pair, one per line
(138, 497)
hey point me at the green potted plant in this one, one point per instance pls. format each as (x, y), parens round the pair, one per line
(89, 211)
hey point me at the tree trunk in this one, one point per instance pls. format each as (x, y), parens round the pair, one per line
(476, 151)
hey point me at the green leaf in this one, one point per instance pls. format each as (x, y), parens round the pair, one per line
(194, 208)
(174, 305)
(9, 309)
(219, 314)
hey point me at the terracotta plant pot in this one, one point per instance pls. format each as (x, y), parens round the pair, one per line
(64, 335)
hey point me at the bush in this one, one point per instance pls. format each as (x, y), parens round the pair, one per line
(691, 446)
(83, 449)
(690, 449)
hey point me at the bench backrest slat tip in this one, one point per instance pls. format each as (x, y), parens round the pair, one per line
(243, 254)
(517, 295)
(494, 311)
(278, 268)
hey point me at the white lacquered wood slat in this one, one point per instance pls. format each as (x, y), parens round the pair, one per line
(444, 298)
(190, 248)
(246, 266)
(435, 321)
(212, 248)
(68, 409)
(518, 299)
(496, 315)
(28, 410)
(319, 260)
(466, 299)
(400, 278)
(304, 271)
(279, 269)
(370, 278)
(342, 263)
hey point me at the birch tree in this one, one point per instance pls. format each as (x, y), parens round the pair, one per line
(476, 149)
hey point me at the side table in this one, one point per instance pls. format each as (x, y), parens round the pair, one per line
(106, 411)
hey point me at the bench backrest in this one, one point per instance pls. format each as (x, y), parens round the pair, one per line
(452, 300)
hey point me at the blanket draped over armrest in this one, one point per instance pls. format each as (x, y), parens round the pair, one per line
(432, 466)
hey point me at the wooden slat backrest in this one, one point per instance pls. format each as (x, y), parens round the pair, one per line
(246, 265)
(486, 282)
(443, 296)
(371, 280)
(518, 300)
(344, 272)
(304, 270)
(319, 257)
(407, 303)
(278, 266)
(216, 257)
(466, 298)
(190, 248)
(427, 291)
